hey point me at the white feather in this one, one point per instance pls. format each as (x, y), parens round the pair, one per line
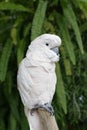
(36, 75)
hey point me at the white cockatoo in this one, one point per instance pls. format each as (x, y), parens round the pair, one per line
(36, 77)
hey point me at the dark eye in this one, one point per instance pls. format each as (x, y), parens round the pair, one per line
(47, 44)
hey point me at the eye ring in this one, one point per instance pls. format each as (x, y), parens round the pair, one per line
(47, 44)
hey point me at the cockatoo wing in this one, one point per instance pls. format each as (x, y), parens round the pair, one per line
(36, 83)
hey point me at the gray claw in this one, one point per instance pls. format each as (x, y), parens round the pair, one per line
(32, 111)
(46, 106)
(49, 108)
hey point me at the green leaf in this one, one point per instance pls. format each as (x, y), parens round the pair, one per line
(38, 19)
(12, 122)
(60, 91)
(20, 50)
(81, 4)
(66, 38)
(67, 66)
(13, 103)
(13, 6)
(83, 0)
(27, 29)
(9, 82)
(66, 61)
(14, 35)
(5, 59)
(70, 16)
(24, 124)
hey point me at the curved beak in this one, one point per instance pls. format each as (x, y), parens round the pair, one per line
(56, 50)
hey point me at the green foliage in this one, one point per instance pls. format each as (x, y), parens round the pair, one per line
(38, 19)
(21, 22)
(20, 51)
(66, 38)
(13, 6)
(60, 91)
(70, 16)
(4, 59)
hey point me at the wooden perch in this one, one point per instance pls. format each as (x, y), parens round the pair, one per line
(48, 122)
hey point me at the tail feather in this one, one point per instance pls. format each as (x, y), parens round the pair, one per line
(41, 120)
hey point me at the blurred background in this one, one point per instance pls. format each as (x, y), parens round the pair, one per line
(20, 22)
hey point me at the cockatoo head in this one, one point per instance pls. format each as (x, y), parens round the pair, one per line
(47, 44)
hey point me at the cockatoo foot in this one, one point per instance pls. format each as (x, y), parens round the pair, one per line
(46, 106)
